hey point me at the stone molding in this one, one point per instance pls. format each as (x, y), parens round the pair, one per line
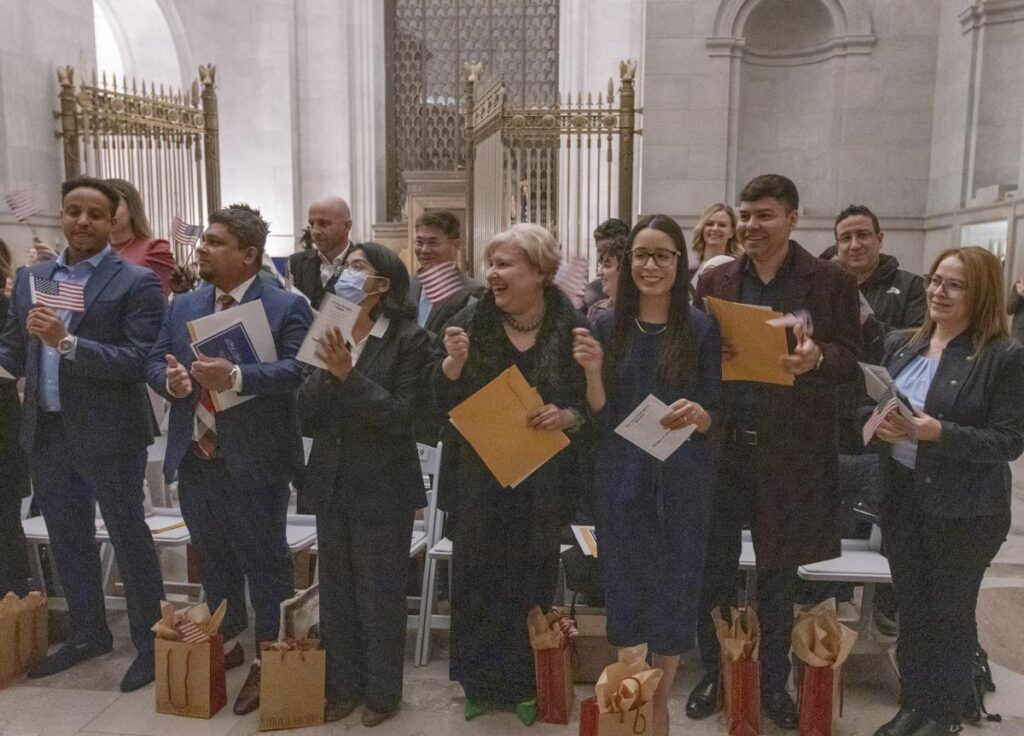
(990, 12)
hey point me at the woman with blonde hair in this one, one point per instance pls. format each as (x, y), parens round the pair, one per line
(505, 541)
(947, 503)
(132, 238)
(715, 235)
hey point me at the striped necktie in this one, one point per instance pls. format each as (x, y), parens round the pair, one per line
(206, 424)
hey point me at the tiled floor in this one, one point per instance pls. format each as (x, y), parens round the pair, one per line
(85, 700)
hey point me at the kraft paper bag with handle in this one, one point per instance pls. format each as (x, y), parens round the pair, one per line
(292, 684)
(552, 636)
(24, 636)
(820, 645)
(624, 697)
(740, 641)
(190, 661)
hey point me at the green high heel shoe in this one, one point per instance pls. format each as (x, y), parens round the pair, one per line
(527, 712)
(475, 708)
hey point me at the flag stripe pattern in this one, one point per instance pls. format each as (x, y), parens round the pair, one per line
(23, 204)
(183, 233)
(571, 278)
(190, 632)
(58, 294)
(887, 402)
(440, 282)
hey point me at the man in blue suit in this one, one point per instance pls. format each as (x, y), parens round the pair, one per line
(87, 421)
(234, 466)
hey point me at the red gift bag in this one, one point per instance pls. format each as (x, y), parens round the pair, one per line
(817, 685)
(551, 637)
(820, 646)
(589, 717)
(739, 639)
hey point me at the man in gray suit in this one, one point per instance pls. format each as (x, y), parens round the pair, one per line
(437, 242)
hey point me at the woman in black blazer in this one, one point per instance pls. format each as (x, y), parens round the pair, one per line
(947, 509)
(364, 480)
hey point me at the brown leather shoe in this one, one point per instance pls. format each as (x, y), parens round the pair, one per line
(373, 718)
(234, 658)
(335, 710)
(249, 696)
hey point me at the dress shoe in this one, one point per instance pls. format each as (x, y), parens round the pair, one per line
(931, 728)
(526, 711)
(903, 724)
(248, 698)
(140, 674)
(704, 700)
(886, 626)
(373, 718)
(475, 708)
(335, 710)
(780, 708)
(65, 658)
(234, 658)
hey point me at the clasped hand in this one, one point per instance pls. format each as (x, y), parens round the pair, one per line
(44, 323)
(921, 427)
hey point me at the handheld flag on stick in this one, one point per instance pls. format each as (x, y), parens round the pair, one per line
(57, 294)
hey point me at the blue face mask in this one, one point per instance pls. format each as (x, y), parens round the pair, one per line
(349, 286)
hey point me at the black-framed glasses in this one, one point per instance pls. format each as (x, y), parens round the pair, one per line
(663, 258)
(952, 287)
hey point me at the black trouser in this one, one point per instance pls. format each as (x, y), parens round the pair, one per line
(937, 565)
(776, 587)
(363, 575)
(14, 571)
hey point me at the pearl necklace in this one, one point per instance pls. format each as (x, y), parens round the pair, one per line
(655, 332)
(519, 326)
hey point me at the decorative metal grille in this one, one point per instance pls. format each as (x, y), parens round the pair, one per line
(428, 43)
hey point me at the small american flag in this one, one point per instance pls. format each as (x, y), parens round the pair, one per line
(440, 282)
(57, 294)
(190, 632)
(183, 233)
(571, 278)
(23, 204)
(886, 403)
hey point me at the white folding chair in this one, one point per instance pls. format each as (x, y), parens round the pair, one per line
(437, 548)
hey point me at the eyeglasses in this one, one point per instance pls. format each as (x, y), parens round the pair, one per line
(662, 258)
(952, 287)
(860, 235)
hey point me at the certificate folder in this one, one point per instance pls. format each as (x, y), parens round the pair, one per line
(493, 421)
(758, 344)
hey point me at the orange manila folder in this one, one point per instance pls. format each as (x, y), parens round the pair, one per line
(758, 344)
(493, 421)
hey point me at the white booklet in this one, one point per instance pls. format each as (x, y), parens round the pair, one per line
(240, 335)
(643, 428)
(881, 387)
(334, 312)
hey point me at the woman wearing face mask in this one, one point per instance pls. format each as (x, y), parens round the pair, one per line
(947, 503)
(652, 515)
(715, 235)
(505, 541)
(364, 481)
(132, 238)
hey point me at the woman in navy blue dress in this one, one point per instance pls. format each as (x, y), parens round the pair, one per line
(652, 516)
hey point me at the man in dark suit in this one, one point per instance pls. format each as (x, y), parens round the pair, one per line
(234, 465)
(437, 242)
(87, 421)
(777, 463)
(314, 271)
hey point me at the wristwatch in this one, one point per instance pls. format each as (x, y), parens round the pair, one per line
(66, 344)
(821, 358)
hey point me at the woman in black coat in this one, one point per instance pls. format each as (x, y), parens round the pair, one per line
(364, 480)
(14, 485)
(505, 541)
(947, 507)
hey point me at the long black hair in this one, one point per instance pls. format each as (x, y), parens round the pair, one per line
(678, 361)
(395, 302)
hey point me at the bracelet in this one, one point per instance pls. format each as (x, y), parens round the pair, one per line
(821, 358)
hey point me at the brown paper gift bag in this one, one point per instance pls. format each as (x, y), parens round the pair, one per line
(190, 677)
(24, 636)
(740, 641)
(624, 697)
(292, 684)
(820, 645)
(551, 637)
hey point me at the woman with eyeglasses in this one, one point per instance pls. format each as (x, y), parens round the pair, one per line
(947, 507)
(505, 541)
(652, 516)
(364, 480)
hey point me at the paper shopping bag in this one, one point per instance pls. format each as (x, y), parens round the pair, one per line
(624, 697)
(551, 636)
(820, 647)
(739, 639)
(635, 722)
(190, 677)
(292, 684)
(24, 636)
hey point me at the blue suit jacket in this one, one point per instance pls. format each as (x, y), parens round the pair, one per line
(260, 440)
(104, 405)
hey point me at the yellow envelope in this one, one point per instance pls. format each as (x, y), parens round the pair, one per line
(493, 421)
(758, 344)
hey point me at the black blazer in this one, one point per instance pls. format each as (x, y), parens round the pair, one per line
(441, 313)
(304, 268)
(980, 401)
(363, 445)
(13, 468)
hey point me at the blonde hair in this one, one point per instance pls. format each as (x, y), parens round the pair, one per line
(537, 244)
(732, 247)
(986, 304)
